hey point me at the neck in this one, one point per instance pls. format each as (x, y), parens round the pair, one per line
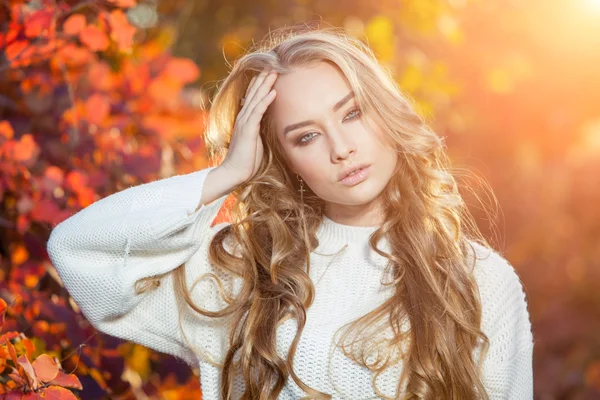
(334, 235)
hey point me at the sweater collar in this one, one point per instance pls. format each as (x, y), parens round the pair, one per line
(333, 235)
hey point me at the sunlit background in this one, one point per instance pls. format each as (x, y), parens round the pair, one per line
(513, 85)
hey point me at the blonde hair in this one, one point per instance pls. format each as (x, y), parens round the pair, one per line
(426, 221)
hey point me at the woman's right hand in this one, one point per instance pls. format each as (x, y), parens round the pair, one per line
(245, 149)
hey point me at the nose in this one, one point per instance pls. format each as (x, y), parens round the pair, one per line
(342, 147)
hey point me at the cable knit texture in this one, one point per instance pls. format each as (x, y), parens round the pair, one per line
(149, 229)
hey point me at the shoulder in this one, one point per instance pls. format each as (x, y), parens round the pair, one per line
(502, 293)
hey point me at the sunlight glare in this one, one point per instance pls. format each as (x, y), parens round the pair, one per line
(595, 4)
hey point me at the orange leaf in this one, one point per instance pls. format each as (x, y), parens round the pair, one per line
(74, 24)
(72, 55)
(123, 3)
(86, 197)
(6, 130)
(13, 32)
(94, 38)
(165, 90)
(29, 346)
(26, 150)
(3, 308)
(76, 181)
(99, 76)
(6, 337)
(29, 371)
(182, 69)
(19, 255)
(19, 53)
(53, 177)
(58, 393)
(97, 108)
(68, 380)
(45, 368)
(122, 31)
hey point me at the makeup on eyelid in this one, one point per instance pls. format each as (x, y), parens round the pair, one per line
(302, 143)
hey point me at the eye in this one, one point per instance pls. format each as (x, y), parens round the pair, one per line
(303, 139)
(355, 112)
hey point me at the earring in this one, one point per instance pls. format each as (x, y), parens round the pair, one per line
(301, 190)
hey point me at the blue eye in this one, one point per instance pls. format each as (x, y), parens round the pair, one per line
(355, 114)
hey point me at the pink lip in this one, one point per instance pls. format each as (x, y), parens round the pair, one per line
(349, 169)
(356, 178)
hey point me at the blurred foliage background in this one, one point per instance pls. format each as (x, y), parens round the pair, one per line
(92, 105)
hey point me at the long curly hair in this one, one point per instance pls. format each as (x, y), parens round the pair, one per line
(426, 222)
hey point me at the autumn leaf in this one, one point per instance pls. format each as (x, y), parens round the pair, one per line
(45, 368)
(182, 69)
(53, 178)
(26, 149)
(72, 55)
(100, 77)
(76, 181)
(97, 108)
(74, 24)
(19, 255)
(38, 23)
(122, 31)
(18, 53)
(94, 38)
(30, 375)
(123, 3)
(6, 130)
(3, 308)
(44, 211)
(67, 380)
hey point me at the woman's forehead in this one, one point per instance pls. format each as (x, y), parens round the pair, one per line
(307, 92)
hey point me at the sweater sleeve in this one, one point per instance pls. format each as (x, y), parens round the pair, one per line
(508, 365)
(142, 231)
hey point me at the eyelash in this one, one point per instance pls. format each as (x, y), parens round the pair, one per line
(303, 142)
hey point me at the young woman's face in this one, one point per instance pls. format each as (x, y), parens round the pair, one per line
(335, 137)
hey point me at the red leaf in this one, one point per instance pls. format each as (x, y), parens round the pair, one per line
(94, 38)
(38, 23)
(45, 368)
(44, 211)
(74, 24)
(12, 395)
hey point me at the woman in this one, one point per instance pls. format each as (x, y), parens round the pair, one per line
(351, 267)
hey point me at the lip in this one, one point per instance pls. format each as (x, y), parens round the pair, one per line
(351, 168)
(356, 178)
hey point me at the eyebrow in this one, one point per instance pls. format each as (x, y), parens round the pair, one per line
(336, 107)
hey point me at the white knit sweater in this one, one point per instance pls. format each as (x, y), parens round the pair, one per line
(149, 229)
